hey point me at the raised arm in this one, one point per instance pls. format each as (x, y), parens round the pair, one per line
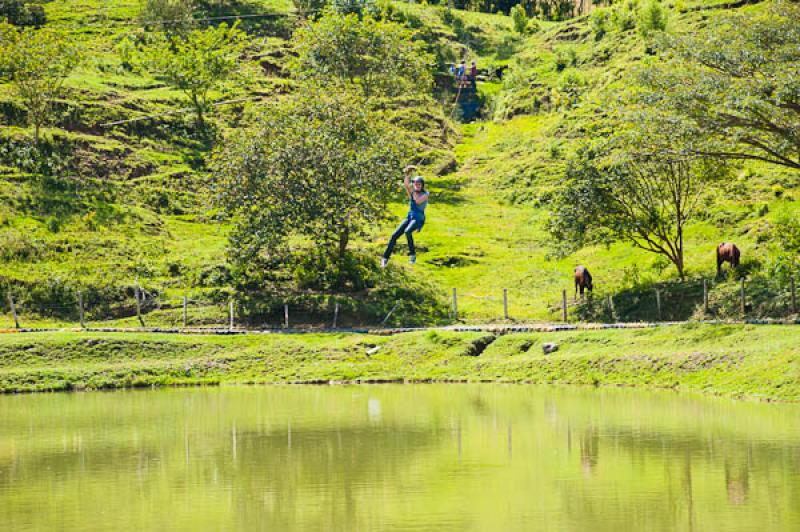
(407, 185)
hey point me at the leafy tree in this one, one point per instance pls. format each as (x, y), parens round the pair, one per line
(37, 61)
(174, 17)
(644, 200)
(735, 87)
(196, 64)
(318, 166)
(520, 18)
(375, 57)
(20, 13)
(652, 18)
(310, 9)
(356, 7)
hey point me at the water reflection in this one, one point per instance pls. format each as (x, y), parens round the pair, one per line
(456, 457)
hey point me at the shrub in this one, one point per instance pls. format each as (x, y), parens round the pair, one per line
(565, 57)
(652, 18)
(786, 230)
(600, 22)
(19, 13)
(623, 16)
(520, 18)
(534, 26)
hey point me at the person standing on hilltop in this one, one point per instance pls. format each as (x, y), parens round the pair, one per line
(473, 75)
(414, 220)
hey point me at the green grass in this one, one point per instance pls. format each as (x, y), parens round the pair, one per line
(758, 362)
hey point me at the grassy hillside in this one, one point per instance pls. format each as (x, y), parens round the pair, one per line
(135, 209)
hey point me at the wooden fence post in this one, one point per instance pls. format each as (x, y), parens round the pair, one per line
(185, 311)
(80, 309)
(455, 305)
(285, 316)
(335, 314)
(610, 303)
(564, 305)
(742, 297)
(658, 304)
(13, 310)
(137, 290)
(794, 296)
(505, 303)
(705, 296)
(230, 313)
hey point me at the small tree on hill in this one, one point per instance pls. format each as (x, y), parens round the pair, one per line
(36, 61)
(520, 18)
(341, 52)
(644, 200)
(318, 167)
(196, 64)
(174, 17)
(652, 18)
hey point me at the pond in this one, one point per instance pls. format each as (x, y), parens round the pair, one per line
(397, 457)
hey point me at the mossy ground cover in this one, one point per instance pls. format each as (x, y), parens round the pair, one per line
(759, 362)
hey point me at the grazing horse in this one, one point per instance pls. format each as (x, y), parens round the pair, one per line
(583, 280)
(727, 252)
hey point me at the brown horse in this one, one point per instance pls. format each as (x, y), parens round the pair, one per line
(583, 280)
(727, 252)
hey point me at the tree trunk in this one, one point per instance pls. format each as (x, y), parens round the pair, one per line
(344, 239)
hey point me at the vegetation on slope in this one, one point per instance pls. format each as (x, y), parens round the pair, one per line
(116, 193)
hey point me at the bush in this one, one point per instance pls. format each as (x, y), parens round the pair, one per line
(533, 26)
(600, 22)
(565, 57)
(623, 16)
(50, 158)
(310, 8)
(786, 230)
(520, 18)
(652, 18)
(19, 13)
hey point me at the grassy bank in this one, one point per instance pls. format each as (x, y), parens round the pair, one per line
(745, 361)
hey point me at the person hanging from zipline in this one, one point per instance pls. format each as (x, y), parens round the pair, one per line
(414, 220)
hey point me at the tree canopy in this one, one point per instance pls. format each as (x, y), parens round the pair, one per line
(37, 61)
(735, 88)
(197, 63)
(643, 199)
(320, 167)
(377, 58)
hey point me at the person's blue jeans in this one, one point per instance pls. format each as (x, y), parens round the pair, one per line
(407, 226)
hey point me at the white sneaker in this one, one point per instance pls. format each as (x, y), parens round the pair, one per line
(412, 259)
(384, 262)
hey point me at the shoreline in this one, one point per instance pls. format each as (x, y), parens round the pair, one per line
(754, 362)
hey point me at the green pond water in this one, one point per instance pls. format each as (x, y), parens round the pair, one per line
(397, 457)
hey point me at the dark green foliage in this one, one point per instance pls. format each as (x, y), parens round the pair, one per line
(735, 87)
(174, 17)
(520, 18)
(21, 13)
(646, 200)
(196, 63)
(378, 58)
(318, 166)
(36, 62)
(652, 18)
